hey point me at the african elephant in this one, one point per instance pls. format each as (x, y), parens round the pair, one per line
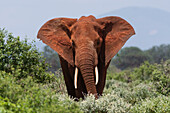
(85, 47)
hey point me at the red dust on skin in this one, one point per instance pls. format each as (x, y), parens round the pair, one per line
(86, 44)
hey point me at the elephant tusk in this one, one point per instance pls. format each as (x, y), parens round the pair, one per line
(75, 78)
(97, 75)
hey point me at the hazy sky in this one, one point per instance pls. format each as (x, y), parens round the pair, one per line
(24, 17)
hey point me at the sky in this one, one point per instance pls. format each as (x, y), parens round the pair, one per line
(24, 17)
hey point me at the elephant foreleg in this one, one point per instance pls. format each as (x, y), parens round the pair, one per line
(68, 72)
(102, 77)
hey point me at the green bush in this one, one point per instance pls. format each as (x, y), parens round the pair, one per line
(159, 74)
(129, 92)
(118, 97)
(123, 76)
(110, 103)
(26, 95)
(141, 92)
(21, 57)
(144, 72)
(160, 104)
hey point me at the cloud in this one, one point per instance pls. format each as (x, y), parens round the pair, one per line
(153, 32)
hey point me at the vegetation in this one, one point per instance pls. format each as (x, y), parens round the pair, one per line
(131, 57)
(52, 58)
(26, 85)
(159, 53)
(20, 58)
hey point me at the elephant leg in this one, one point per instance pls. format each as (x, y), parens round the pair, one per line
(102, 77)
(68, 72)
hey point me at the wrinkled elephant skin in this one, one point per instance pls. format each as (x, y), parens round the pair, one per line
(86, 47)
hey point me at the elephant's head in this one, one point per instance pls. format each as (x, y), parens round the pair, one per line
(81, 42)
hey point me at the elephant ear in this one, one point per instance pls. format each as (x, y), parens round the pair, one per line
(116, 32)
(55, 33)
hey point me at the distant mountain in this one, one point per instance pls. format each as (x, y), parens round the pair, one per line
(152, 25)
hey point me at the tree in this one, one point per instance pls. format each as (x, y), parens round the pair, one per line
(130, 57)
(159, 53)
(52, 58)
(20, 58)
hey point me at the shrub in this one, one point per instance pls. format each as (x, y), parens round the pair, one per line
(21, 57)
(117, 87)
(123, 76)
(161, 77)
(141, 92)
(129, 92)
(159, 74)
(110, 103)
(26, 95)
(160, 104)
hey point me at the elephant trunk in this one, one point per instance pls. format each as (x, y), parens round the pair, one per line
(86, 65)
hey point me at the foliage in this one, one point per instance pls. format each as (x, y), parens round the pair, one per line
(113, 69)
(159, 74)
(130, 57)
(52, 58)
(159, 53)
(107, 103)
(159, 104)
(21, 57)
(130, 93)
(26, 95)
